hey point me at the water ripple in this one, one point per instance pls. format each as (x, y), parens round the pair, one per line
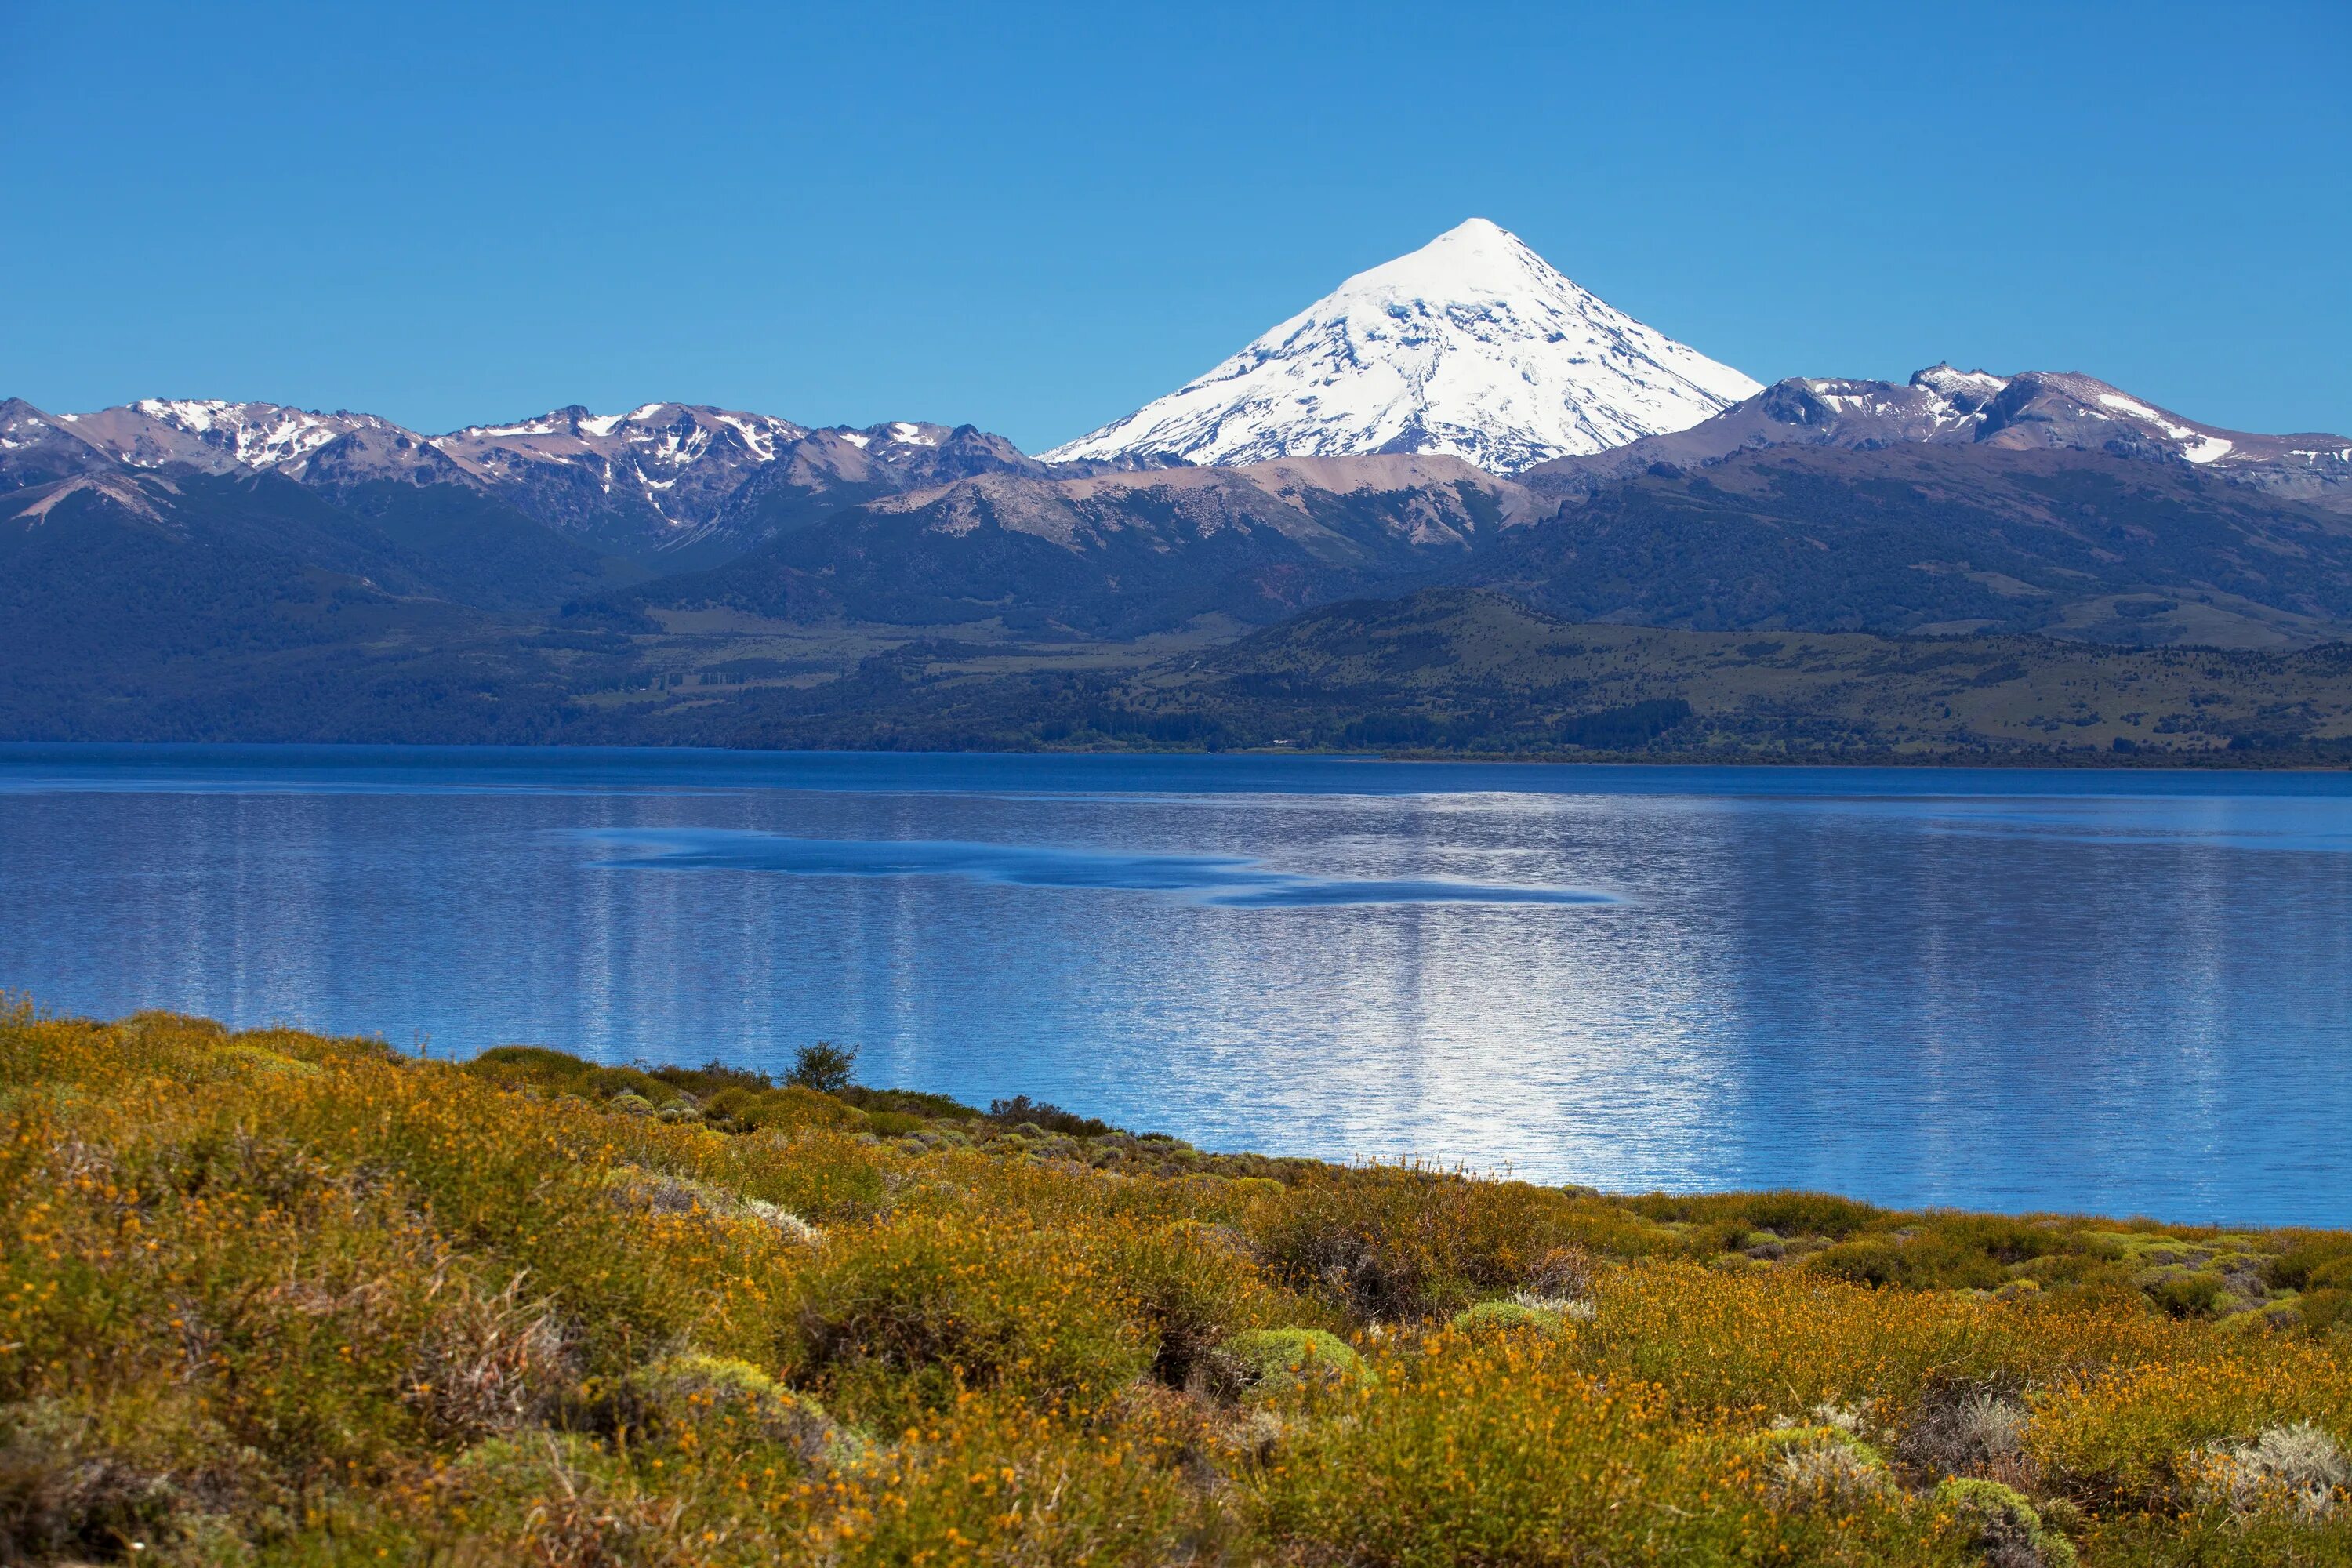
(1226, 881)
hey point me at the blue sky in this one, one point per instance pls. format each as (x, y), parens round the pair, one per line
(1034, 218)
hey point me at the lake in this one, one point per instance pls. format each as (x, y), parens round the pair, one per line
(2124, 992)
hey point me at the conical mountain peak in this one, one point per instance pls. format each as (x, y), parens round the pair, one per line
(1475, 257)
(1472, 345)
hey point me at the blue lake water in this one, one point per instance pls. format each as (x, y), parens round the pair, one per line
(2121, 992)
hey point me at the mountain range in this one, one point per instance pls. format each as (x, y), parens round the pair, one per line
(669, 485)
(1463, 417)
(1941, 406)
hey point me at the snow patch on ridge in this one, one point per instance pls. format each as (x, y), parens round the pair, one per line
(1952, 382)
(257, 434)
(2200, 448)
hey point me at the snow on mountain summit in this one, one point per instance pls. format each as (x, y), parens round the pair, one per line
(1472, 345)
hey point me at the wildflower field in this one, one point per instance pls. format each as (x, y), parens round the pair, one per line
(274, 1298)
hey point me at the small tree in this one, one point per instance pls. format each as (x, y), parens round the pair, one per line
(823, 1067)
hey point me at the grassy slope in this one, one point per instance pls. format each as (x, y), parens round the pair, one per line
(1477, 669)
(270, 1298)
(1463, 670)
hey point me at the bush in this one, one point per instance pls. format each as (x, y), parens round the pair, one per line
(907, 1101)
(612, 1083)
(1021, 1109)
(723, 1397)
(64, 1495)
(938, 1304)
(1963, 1426)
(2193, 1295)
(790, 1106)
(1564, 1274)
(823, 1067)
(1934, 1260)
(1813, 1465)
(529, 1062)
(1501, 1450)
(2324, 1309)
(2313, 1263)
(1491, 1316)
(1268, 1362)
(2002, 1525)
(713, 1076)
(1402, 1242)
(488, 1361)
(556, 1499)
(2299, 1466)
(2134, 1433)
(1193, 1292)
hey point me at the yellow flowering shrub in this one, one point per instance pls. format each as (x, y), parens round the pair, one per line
(271, 1298)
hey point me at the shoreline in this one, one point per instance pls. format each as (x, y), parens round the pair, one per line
(2062, 762)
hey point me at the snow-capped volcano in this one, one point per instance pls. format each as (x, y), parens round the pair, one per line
(1472, 345)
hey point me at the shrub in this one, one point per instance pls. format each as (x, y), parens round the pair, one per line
(2299, 1466)
(1491, 1316)
(1727, 1343)
(1963, 1426)
(524, 1063)
(1269, 1363)
(612, 1083)
(713, 1076)
(1784, 1213)
(1021, 1109)
(823, 1067)
(1194, 1290)
(2135, 1434)
(907, 1101)
(1930, 1260)
(1501, 1450)
(792, 1106)
(556, 1499)
(995, 1481)
(1999, 1523)
(2312, 1262)
(63, 1495)
(2324, 1309)
(1562, 1273)
(730, 1398)
(2191, 1295)
(488, 1361)
(1406, 1242)
(940, 1303)
(1818, 1465)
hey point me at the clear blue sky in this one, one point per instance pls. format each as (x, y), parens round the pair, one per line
(1035, 218)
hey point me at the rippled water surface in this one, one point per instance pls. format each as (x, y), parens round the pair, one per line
(2110, 991)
